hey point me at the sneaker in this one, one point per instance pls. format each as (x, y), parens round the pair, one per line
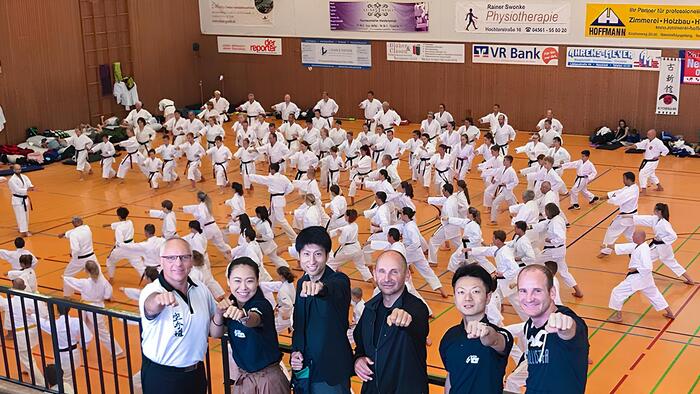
(575, 206)
(594, 200)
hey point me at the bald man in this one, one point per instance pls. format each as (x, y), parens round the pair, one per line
(639, 278)
(81, 250)
(387, 117)
(396, 322)
(135, 114)
(653, 149)
(20, 186)
(286, 108)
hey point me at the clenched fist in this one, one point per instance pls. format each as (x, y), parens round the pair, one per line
(399, 318)
(165, 299)
(559, 322)
(477, 329)
(309, 288)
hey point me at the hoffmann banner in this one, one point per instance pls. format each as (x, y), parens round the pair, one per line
(510, 17)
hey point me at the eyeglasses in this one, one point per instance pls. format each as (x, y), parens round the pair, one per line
(185, 258)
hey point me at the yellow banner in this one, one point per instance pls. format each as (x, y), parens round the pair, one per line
(644, 21)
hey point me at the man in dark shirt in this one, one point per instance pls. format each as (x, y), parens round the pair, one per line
(390, 356)
(321, 354)
(557, 339)
(474, 352)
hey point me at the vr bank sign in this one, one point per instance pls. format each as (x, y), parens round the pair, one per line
(516, 54)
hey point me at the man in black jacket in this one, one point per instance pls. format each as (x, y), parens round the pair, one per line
(390, 356)
(321, 354)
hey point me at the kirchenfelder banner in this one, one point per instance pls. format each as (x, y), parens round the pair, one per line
(643, 21)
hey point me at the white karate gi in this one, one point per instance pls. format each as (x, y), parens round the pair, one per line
(330, 170)
(362, 169)
(388, 119)
(210, 229)
(169, 226)
(210, 132)
(132, 156)
(23, 331)
(95, 292)
(134, 115)
(12, 257)
(661, 246)
(556, 126)
(145, 137)
(220, 156)
(107, 152)
(532, 150)
(286, 108)
(19, 186)
(153, 167)
(203, 274)
(471, 238)
(446, 231)
(473, 133)
(65, 348)
(642, 281)
(338, 135)
(82, 145)
(554, 232)
(585, 173)
(252, 109)
(627, 199)
(291, 132)
(652, 151)
(423, 159)
(371, 108)
(123, 234)
(443, 118)
(179, 127)
(505, 180)
(278, 186)
(81, 251)
(547, 135)
(148, 249)
(502, 136)
(168, 153)
(247, 159)
(328, 109)
(492, 120)
(411, 239)
(276, 154)
(194, 153)
(506, 265)
(266, 240)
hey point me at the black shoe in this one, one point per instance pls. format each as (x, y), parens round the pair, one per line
(594, 200)
(575, 206)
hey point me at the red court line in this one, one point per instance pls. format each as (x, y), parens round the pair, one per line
(641, 356)
(617, 386)
(663, 330)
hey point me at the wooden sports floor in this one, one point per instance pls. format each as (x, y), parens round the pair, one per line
(645, 353)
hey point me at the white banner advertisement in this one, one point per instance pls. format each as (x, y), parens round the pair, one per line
(250, 45)
(668, 93)
(240, 12)
(624, 58)
(424, 52)
(512, 17)
(515, 54)
(336, 53)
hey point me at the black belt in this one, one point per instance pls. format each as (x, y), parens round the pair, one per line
(128, 157)
(631, 273)
(556, 168)
(465, 243)
(102, 160)
(579, 177)
(628, 213)
(460, 163)
(151, 174)
(24, 198)
(424, 162)
(245, 164)
(655, 242)
(389, 129)
(440, 174)
(210, 143)
(188, 165)
(521, 265)
(376, 154)
(645, 161)
(502, 148)
(322, 154)
(299, 174)
(289, 142)
(529, 162)
(350, 159)
(224, 167)
(552, 246)
(69, 348)
(341, 246)
(128, 241)
(166, 161)
(212, 222)
(274, 195)
(143, 143)
(86, 255)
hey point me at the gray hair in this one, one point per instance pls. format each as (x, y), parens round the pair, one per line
(528, 195)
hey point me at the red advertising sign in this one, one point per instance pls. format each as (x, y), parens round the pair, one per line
(691, 67)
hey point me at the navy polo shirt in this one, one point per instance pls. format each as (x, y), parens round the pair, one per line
(473, 367)
(257, 347)
(563, 367)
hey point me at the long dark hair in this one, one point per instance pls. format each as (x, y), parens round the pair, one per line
(663, 208)
(263, 214)
(286, 273)
(462, 184)
(244, 222)
(476, 214)
(407, 188)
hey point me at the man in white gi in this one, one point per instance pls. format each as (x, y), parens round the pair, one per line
(414, 251)
(533, 149)
(12, 256)
(211, 131)
(430, 126)
(276, 152)
(291, 130)
(286, 108)
(251, 107)
(505, 179)
(221, 105)
(553, 230)
(304, 159)
(653, 149)
(528, 211)
(194, 153)
(278, 186)
(639, 278)
(177, 126)
(547, 133)
(555, 123)
(107, 152)
(168, 153)
(20, 186)
(387, 117)
(328, 108)
(394, 147)
(167, 107)
(627, 200)
(123, 234)
(443, 117)
(503, 134)
(220, 156)
(149, 248)
(585, 173)
(135, 114)
(194, 126)
(81, 250)
(82, 144)
(492, 118)
(349, 246)
(371, 106)
(449, 207)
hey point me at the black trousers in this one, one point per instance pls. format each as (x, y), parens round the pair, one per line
(158, 379)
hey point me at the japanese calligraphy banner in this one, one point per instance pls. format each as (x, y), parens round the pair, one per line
(669, 86)
(691, 67)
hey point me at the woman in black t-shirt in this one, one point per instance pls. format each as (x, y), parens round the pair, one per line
(250, 321)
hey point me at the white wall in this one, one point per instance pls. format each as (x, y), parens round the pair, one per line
(310, 18)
